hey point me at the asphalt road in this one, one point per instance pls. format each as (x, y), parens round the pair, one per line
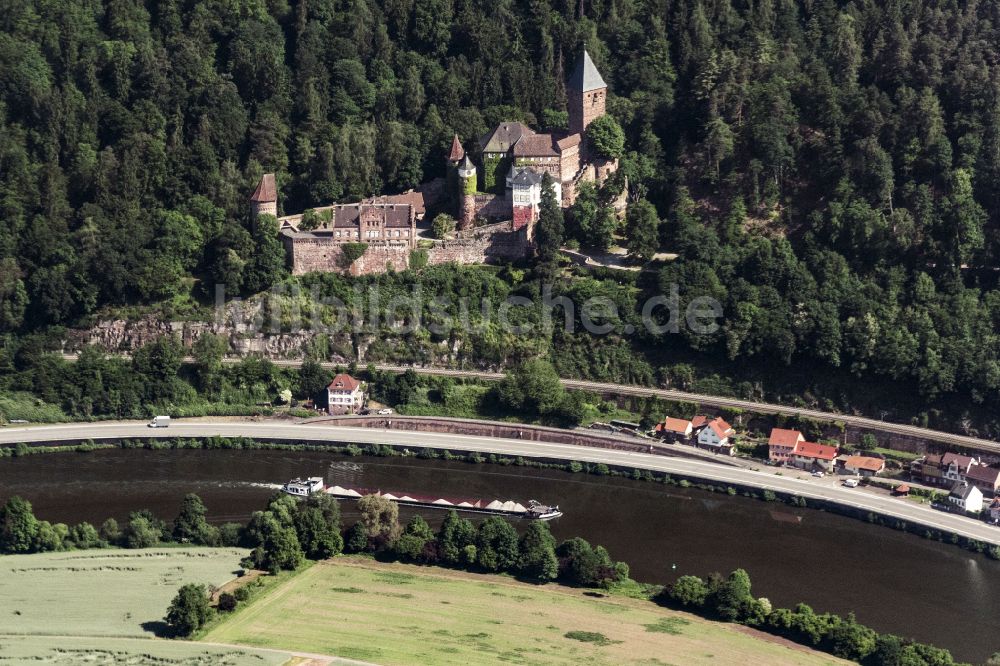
(763, 479)
(700, 398)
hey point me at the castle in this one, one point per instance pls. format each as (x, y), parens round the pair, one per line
(494, 201)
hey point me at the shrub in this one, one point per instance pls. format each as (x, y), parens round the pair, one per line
(189, 610)
(227, 602)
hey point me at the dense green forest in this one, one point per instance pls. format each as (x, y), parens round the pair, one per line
(829, 170)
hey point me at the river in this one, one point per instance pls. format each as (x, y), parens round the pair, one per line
(892, 581)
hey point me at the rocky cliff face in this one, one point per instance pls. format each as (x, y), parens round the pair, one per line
(247, 327)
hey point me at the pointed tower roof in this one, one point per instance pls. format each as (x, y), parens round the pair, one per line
(467, 164)
(585, 76)
(266, 190)
(457, 152)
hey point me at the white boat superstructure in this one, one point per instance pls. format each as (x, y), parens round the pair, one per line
(304, 487)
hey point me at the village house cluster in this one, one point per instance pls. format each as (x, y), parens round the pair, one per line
(494, 191)
(971, 483)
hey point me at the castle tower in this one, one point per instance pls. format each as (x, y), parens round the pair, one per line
(586, 94)
(467, 194)
(264, 199)
(456, 154)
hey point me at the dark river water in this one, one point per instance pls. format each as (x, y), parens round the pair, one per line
(892, 581)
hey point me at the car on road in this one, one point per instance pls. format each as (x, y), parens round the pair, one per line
(819, 475)
(384, 412)
(851, 483)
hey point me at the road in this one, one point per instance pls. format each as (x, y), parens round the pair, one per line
(762, 479)
(684, 396)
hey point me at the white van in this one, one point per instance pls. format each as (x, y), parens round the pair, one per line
(160, 422)
(851, 483)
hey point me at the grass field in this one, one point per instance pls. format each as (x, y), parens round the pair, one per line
(103, 592)
(100, 607)
(105, 651)
(402, 614)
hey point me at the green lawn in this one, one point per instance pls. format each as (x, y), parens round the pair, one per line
(403, 614)
(107, 592)
(107, 651)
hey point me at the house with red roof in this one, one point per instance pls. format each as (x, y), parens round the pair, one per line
(716, 436)
(808, 455)
(864, 465)
(674, 429)
(344, 395)
(984, 477)
(781, 443)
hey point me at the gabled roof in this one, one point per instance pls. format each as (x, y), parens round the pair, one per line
(527, 178)
(569, 142)
(783, 437)
(812, 450)
(865, 462)
(670, 424)
(963, 462)
(983, 474)
(503, 137)
(266, 190)
(457, 152)
(343, 382)
(963, 490)
(699, 421)
(721, 429)
(536, 145)
(585, 76)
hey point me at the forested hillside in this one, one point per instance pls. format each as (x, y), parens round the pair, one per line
(829, 170)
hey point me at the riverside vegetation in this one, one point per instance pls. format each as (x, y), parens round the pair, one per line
(228, 531)
(287, 533)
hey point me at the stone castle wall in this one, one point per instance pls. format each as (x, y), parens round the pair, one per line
(482, 245)
(493, 206)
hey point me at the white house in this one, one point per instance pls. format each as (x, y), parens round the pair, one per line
(344, 395)
(809, 455)
(716, 434)
(956, 466)
(966, 497)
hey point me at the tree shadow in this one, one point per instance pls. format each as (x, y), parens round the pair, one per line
(158, 628)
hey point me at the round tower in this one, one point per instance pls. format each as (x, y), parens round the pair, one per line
(467, 193)
(264, 200)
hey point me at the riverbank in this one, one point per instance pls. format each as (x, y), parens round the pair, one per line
(406, 614)
(662, 530)
(906, 513)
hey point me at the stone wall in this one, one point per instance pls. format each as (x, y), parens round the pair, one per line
(483, 245)
(493, 206)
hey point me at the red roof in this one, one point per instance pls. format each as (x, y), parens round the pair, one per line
(901, 489)
(782, 437)
(699, 421)
(676, 425)
(983, 474)
(536, 145)
(266, 189)
(457, 152)
(865, 462)
(811, 450)
(720, 427)
(963, 462)
(344, 383)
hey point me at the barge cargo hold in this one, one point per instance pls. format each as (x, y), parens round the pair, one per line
(534, 510)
